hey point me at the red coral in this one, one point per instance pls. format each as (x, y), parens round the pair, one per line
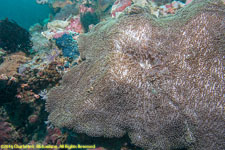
(119, 6)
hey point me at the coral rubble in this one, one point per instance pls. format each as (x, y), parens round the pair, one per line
(159, 80)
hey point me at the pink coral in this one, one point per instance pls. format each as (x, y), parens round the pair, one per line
(7, 132)
(33, 119)
(59, 34)
(188, 1)
(84, 9)
(119, 6)
(54, 136)
(75, 25)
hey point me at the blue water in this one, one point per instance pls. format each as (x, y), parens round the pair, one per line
(24, 12)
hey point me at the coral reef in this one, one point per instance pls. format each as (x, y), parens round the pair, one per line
(57, 28)
(40, 61)
(12, 62)
(87, 19)
(159, 80)
(75, 25)
(25, 109)
(170, 8)
(13, 37)
(8, 87)
(57, 24)
(119, 6)
(61, 4)
(163, 2)
(104, 4)
(54, 136)
(7, 132)
(68, 45)
(33, 80)
(84, 9)
(40, 43)
(159, 11)
(66, 12)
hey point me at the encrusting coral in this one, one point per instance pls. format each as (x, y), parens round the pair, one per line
(12, 62)
(159, 80)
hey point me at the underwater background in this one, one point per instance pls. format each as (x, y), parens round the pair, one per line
(112, 74)
(24, 12)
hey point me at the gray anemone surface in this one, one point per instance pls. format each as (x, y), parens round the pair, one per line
(159, 80)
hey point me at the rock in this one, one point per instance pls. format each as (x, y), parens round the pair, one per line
(14, 38)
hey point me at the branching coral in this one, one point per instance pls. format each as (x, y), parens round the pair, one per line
(159, 80)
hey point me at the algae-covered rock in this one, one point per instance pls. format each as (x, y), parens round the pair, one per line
(14, 38)
(159, 80)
